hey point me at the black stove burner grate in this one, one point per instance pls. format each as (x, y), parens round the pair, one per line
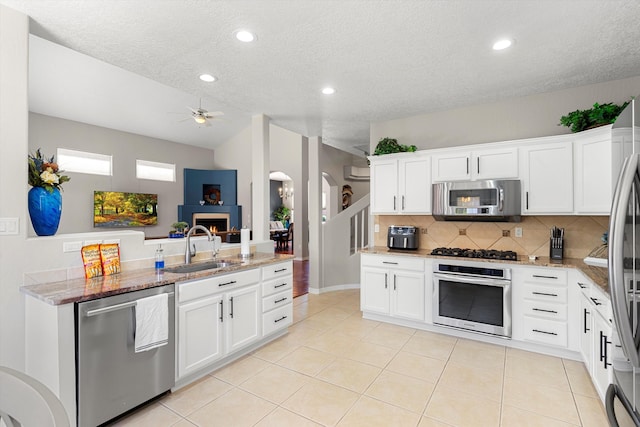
(476, 253)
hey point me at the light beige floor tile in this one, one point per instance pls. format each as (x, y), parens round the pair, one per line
(430, 422)
(369, 412)
(355, 327)
(236, 408)
(183, 423)
(276, 384)
(396, 329)
(549, 401)
(372, 354)
(400, 390)
(580, 382)
(275, 350)
(238, 371)
(516, 417)
(195, 396)
(478, 354)
(336, 344)
(282, 418)
(429, 346)
(387, 337)
(480, 382)
(591, 411)
(332, 314)
(462, 409)
(306, 360)
(152, 415)
(355, 376)
(321, 402)
(543, 370)
(416, 366)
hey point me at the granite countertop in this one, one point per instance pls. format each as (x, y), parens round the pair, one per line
(598, 275)
(78, 290)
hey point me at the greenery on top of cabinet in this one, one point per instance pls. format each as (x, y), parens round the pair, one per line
(599, 115)
(390, 145)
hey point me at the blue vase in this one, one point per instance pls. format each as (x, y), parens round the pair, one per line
(45, 209)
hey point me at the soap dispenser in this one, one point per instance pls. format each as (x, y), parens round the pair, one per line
(159, 258)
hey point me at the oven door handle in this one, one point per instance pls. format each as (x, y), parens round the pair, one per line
(473, 280)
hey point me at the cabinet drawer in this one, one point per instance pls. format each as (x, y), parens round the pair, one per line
(550, 276)
(557, 294)
(277, 319)
(277, 300)
(277, 270)
(545, 309)
(545, 331)
(277, 285)
(188, 291)
(396, 262)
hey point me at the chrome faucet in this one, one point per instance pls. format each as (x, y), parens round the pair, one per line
(188, 253)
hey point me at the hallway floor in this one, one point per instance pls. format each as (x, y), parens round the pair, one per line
(336, 369)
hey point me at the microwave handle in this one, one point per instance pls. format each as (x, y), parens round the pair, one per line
(501, 202)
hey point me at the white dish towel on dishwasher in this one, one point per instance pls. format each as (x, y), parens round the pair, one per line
(152, 322)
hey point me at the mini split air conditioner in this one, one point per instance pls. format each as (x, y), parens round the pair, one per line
(354, 173)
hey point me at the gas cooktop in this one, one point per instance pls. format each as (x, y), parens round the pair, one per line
(476, 253)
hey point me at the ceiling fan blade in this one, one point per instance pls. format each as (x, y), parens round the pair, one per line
(213, 113)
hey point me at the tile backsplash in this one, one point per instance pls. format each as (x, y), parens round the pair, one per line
(582, 233)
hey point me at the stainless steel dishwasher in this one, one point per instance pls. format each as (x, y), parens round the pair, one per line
(111, 378)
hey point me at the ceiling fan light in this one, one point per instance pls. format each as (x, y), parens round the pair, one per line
(200, 119)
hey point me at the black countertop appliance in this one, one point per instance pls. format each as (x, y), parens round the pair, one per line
(403, 237)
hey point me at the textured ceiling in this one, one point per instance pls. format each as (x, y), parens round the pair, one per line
(386, 59)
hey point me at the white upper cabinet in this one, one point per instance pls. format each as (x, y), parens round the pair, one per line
(401, 185)
(547, 177)
(465, 165)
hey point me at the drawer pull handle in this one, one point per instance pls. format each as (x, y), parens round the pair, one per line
(539, 276)
(544, 332)
(282, 318)
(585, 320)
(279, 286)
(389, 262)
(545, 311)
(227, 283)
(545, 294)
(280, 300)
(595, 301)
(582, 285)
(280, 271)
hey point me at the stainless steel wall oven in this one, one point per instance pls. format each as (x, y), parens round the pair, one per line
(473, 295)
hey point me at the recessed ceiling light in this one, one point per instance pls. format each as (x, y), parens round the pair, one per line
(328, 91)
(245, 36)
(502, 44)
(207, 78)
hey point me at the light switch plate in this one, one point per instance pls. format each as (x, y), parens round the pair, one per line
(9, 226)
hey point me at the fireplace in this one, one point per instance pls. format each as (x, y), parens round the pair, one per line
(215, 222)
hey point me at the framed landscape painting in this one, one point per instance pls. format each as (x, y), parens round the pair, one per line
(118, 209)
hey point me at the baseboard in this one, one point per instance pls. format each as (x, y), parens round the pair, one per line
(334, 288)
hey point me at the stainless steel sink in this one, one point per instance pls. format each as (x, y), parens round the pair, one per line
(200, 266)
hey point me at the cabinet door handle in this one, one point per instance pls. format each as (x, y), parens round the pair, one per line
(595, 301)
(603, 350)
(478, 164)
(540, 276)
(546, 294)
(280, 300)
(394, 203)
(544, 332)
(279, 286)
(231, 308)
(282, 318)
(526, 197)
(221, 311)
(467, 166)
(545, 311)
(394, 282)
(227, 283)
(585, 320)
(582, 285)
(385, 280)
(402, 202)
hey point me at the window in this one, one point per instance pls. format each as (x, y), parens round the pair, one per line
(83, 162)
(156, 171)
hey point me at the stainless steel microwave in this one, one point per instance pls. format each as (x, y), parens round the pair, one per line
(489, 200)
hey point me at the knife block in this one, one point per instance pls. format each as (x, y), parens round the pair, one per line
(556, 248)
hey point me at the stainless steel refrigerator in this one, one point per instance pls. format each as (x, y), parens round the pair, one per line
(623, 394)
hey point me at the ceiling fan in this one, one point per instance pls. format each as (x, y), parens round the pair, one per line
(202, 116)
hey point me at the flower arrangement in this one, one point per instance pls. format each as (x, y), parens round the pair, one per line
(44, 172)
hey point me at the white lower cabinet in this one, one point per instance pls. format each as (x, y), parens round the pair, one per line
(393, 286)
(595, 335)
(277, 297)
(216, 316)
